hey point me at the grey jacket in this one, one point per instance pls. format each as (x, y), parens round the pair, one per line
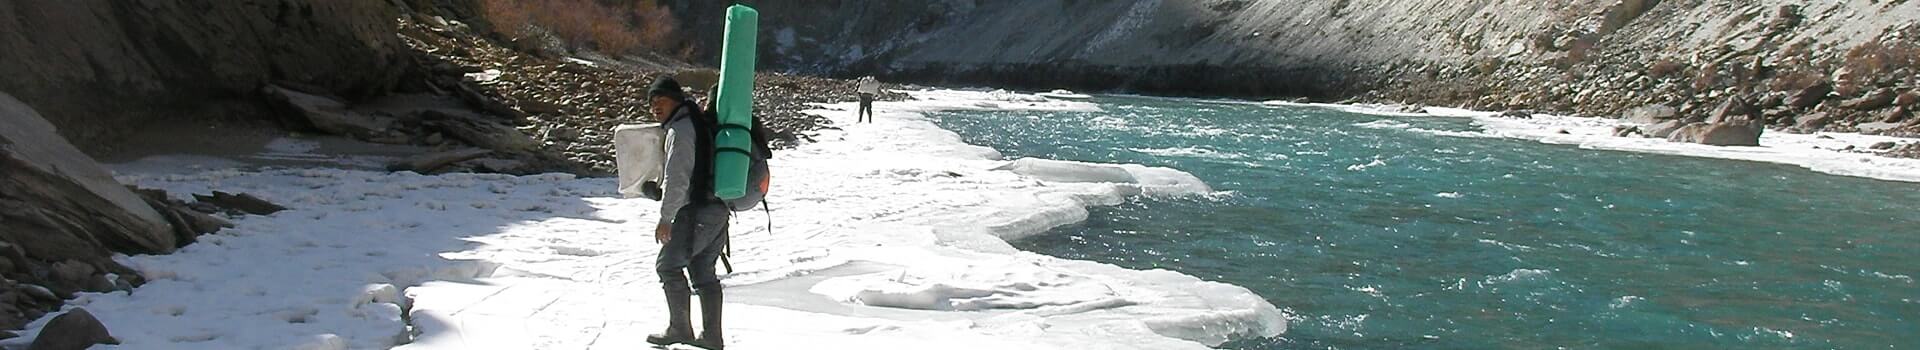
(681, 147)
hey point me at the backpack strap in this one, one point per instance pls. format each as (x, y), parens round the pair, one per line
(726, 244)
(726, 251)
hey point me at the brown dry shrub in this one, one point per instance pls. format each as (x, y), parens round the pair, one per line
(1798, 80)
(616, 27)
(1879, 58)
(1665, 67)
(1708, 79)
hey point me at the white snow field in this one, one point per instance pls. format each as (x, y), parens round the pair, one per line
(889, 235)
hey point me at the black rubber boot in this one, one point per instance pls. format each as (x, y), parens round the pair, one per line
(710, 337)
(679, 322)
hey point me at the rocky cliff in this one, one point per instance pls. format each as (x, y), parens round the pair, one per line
(1594, 57)
(100, 68)
(80, 74)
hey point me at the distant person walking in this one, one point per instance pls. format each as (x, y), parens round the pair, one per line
(869, 87)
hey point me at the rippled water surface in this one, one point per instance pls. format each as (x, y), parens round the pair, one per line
(1396, 232)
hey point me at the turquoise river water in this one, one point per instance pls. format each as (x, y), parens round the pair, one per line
(1402, 237)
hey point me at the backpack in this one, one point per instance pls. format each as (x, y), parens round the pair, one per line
(759, 177)
(706, 121)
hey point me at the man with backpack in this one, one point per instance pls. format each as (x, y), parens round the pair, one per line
(693, 222)
(868, 88)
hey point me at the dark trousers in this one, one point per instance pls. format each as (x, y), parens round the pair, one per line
(866, 109)
(699, 237)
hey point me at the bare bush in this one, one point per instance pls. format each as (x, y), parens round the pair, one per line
(1796, 81)
(1665, 67)
(615, 27)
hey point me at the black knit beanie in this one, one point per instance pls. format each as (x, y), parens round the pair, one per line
(666, 86)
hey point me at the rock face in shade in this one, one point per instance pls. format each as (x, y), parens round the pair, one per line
(58, 204)
(62, 216)
(97, 69)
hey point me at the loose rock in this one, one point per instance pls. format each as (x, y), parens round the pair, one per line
(1813, 121)
(427, 163)
(1739, 133)
(75, 330)
(1733, 109)
(1873, 100)
(1912, 97)
(329, 115)
(1665, 129)
(244, 203)
(1651, 114)
(1810, 96)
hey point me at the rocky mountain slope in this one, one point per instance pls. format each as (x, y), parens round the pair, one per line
(1584, 56)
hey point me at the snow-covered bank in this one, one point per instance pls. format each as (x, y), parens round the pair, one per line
(885, 235)
(1821, 152)
(1825, 152)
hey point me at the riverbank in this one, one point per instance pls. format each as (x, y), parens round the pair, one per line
(885, 235)
(1837, 153)
(1414, 231)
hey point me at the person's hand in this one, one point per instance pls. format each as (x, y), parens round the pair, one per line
(663, 233)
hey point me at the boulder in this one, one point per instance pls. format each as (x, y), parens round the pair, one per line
(71, 272)
(188, 222)
(1651, 114)
(1628, 131)
(1517, 114)
(329, 115)
(39, 293)
(1873, 100)
(1664, 129)
(1813, 121)
(540, 107)
(472, 95)
(1778, 116)
(1735, 108)
(427, 163)
(1738, 133)
(1771, 100)
(1895, 115)
(74, 330)
(1810, 96)
(1882, 146)
(506, 166)
(1406, 108)
(480, 131)
(58, 204)
(242, 202)
(1912, 97)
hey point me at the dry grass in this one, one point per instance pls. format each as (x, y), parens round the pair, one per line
(1708, 79)
(1876, 63)
(1796, 81)
(1664, 68)
(1878, 58)
(616, 27)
